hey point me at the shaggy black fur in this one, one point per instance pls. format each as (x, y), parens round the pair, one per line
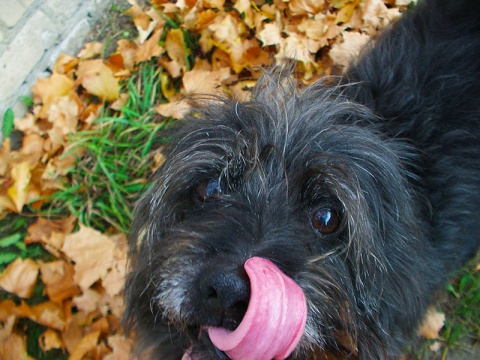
(365, 190)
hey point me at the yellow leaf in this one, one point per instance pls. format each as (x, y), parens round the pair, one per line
(175, 46)
(98, 79)
(18, 192)
(19, 277)
(50, 339)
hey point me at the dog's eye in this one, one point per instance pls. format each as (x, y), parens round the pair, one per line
(209, 189)
(326, 220)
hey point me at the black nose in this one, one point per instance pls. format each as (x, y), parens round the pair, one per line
(225, 293)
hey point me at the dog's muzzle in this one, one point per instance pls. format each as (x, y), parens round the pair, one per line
(275, 316)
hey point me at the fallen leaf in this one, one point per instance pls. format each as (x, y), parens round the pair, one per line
(58, 279)
(343, 53)
(88, 343)
(14, 347)
(90, 50)
(98, 79)
(47, 314)
(92, 253)
(88, 301)
(121, 347)
(18, 192)
(431, 327)
(49, 340)
(149, 48)
(19, 277)
(175, 46)
(48, 91)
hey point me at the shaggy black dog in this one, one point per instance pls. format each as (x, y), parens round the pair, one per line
(364, 190)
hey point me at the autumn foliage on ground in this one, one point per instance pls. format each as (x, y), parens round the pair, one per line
(196, 46)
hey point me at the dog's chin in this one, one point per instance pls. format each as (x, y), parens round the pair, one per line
(202, 348)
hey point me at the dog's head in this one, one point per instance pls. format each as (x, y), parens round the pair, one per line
(302, 178)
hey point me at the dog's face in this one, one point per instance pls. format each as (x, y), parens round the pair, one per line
(301, 179)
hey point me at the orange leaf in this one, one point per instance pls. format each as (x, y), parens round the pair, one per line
(19, 277)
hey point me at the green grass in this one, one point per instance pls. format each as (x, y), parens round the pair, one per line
(462, 327)
(460, 301)
(118, 157)
(13, 229)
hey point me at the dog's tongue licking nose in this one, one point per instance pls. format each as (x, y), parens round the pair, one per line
(275, 318)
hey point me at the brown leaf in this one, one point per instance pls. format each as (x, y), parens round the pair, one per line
(47, 314)
(14, 347)
(90, 50)
(343, 53)
(58, 279)
(92, 253)
(206, 82)
(431, 327)
(88, 343)
(121, 347)
(19, 277)
(48, 91)
(88, 301)
(149, 48)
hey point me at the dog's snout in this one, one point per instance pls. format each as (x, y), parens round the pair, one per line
(226, 293)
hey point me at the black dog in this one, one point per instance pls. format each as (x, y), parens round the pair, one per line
(364, 190)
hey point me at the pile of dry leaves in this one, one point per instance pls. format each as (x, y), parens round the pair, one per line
(83, 284)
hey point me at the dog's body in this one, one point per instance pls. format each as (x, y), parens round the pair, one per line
(365, 191)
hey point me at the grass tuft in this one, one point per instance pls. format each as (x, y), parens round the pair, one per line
(118, 157)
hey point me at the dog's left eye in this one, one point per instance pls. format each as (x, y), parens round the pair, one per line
(326, 220)
(209, 189)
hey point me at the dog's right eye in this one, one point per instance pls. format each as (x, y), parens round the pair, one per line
(326, 221)
(209, 189)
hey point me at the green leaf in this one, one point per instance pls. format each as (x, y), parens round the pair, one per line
(27, 100)
(10, 240)
(7, 257)
(8, 118)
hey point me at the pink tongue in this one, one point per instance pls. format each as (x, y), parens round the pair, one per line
(275, 318)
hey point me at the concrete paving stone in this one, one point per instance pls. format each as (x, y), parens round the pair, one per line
(72, 43)
(27, 3)
(2, 35)
(24, 52)
(11, 12)
(61, 9)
